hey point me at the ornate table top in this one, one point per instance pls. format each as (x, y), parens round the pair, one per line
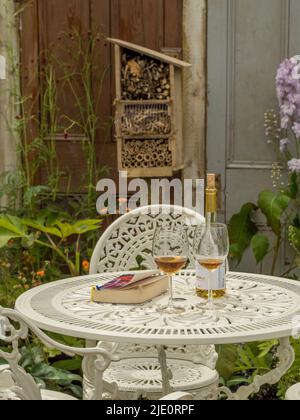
(254, 308)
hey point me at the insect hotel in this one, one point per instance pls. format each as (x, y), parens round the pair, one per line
(148, 111)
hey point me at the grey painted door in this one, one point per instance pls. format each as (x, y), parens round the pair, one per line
(247, 39)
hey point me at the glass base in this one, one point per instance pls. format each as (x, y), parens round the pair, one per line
(209, 305)
(171, 310)
(179, 299)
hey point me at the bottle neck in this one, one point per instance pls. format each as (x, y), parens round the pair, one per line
(211, 205)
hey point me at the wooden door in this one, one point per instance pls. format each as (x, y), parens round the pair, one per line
(45, 25)
(247, 39)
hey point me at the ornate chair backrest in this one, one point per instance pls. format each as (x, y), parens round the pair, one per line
(24, 386)
(127, 243)
(15, 328)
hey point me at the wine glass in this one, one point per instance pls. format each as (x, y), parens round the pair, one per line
(170, 252)
(211, 249)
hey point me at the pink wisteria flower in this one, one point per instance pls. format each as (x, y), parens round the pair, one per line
(284, 144)
(288, 91)
(296, 129)
(294, 165)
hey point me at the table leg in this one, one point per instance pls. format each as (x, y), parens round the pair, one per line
(88, 367)
(286, 358)
(166, 373)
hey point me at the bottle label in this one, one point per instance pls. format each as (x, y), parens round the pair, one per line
(218, 278)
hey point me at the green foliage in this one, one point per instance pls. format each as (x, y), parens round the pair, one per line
(11, 228)
(228, 355)
(244, 229)
(58, 377)
(42, 235)
(241, 363)
(51, 369)
(10, 288)
(63, 230)
(241, 230)
(254, 359)
(238, 365)
(46, 234)
(273, 206)
(294, 186)
(139, 264)
(260, 245)
(293, 375)
(281, 210)
(32, 194)
(294, 238)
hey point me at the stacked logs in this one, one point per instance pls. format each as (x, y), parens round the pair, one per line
(144, 78)
(146, 154)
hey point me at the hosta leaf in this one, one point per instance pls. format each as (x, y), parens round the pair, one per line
(37, 355)
(273, 207)
(76, 391)
(241, 231)
(49, 373)
(260, 246)
(70, 365)
(227, 359)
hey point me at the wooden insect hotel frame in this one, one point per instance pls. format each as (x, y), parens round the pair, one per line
(148, 120)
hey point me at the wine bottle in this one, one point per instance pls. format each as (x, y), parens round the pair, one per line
(218, 276)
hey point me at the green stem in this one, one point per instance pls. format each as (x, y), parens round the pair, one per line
(77, 253)
(54, 248)
(288, 271)
(297, 148)
(276, 254)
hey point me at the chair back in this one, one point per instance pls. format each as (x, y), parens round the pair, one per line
(127, 244)
(15, 382)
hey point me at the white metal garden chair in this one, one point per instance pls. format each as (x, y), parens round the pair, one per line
(16, 384)
(293, 394)
(178, 396)
(127, 245)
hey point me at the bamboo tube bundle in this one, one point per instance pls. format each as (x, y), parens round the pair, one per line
(146, 154)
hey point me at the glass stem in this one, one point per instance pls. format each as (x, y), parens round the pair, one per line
(171, 302)
(210, 291)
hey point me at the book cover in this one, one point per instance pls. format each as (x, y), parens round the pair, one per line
(131, 288)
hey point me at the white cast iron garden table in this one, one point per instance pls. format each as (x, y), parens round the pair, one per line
(255, 308)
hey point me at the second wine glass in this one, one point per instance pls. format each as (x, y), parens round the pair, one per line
(170, 252)
(211, 249)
